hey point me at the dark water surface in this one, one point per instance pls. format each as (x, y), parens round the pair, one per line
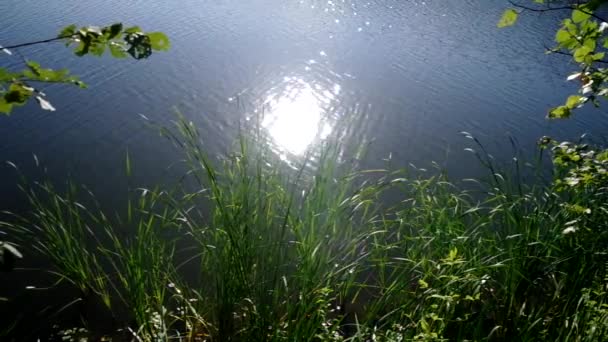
(418, 71)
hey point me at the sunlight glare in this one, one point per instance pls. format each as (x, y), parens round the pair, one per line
(296, 119)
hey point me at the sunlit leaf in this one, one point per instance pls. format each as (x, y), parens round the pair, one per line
(117, 50)
(424, 325)
(581, 53)
(133, 29)
(6, 51)
(44, 104)
(5, 107)
(570, 26)
(34, 67)
(573, 101)
(590, 43)
(6, 76)
(95, 30)
(159, 41)
(68, 31)
(581, 15)
(573, 76)
(509, 17)
(562, 36)
(560, 112)
(36, 72)
(598, 56)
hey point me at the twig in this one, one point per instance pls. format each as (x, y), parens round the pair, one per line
(561, 8)
(16, 46)
(560, 52)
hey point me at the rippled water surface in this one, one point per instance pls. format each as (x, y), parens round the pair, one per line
(418, 72)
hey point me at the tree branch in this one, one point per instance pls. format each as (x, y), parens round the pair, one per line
(561, 8)
(16, 46)
(29, 80)
(560, 52)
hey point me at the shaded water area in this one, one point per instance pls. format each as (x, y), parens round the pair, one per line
(418, 72)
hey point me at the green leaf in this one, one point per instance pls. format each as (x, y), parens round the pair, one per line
(589, 26)
(97, 49)
(139, 45)
(68, 31)
(17, 94)
(424, 326)
(84, 46)
(96, 30)
(598, 56)
(509, 17)
(38, 73)
(573, 101)
(34, 67)
(560, 112)
(5, 107)
(590, 43)
(562, 36)
(581, 53)
(570, 26)
(6, 76)
(453, 254)
(79, 83)
(133, 29)
(112, 31)
(159, 41)
(579, 16)
(117, 50)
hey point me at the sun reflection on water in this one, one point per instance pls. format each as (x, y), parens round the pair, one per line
(297, 117)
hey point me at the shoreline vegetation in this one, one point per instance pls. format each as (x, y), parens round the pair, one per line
(258, 251)
(250, 248)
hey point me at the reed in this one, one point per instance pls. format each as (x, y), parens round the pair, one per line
(254, 249)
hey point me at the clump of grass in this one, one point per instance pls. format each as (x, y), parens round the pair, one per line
(58, 227)
(257, 250)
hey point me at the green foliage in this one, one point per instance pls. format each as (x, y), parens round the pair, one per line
(583, 36)
(16, 88)
(580, 169)
(320, 253)
(509, 17)
(133, 41)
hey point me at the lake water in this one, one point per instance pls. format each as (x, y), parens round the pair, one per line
(418, 71)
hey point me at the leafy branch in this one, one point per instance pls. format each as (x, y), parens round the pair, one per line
(581, 36)
(15, 86)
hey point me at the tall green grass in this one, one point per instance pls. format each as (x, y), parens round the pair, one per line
(252, 249)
